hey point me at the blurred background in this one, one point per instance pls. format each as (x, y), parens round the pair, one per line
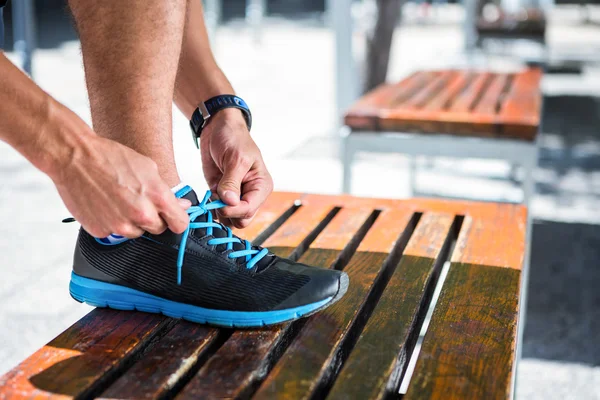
(299, 63)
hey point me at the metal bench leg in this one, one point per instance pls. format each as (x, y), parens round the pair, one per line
(528, 192)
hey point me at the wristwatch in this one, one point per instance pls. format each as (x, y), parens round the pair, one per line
(202, 114)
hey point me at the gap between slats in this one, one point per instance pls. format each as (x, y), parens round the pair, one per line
(264, 235)
(428, 304)
(301, 248)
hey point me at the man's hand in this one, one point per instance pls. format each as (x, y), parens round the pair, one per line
(110, 188)
(234, 168)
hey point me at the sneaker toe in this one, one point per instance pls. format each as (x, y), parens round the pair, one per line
(323, 284)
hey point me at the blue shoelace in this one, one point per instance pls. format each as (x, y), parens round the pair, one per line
(252, 256)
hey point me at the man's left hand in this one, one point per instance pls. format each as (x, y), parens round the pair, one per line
(234, 168)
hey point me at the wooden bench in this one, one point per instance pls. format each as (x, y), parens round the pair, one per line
(394, 252)
(450, 113)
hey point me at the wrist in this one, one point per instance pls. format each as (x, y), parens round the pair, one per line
(229, 120)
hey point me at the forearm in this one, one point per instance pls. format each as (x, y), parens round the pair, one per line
(198, 76)
(36, 125)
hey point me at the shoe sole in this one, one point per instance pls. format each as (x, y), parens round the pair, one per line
(103, 295)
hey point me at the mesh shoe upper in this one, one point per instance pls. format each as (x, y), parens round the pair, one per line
(209, 278)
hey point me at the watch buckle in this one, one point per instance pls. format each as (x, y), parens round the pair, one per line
(204, 112)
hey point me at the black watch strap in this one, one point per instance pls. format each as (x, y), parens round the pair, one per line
(213, 105)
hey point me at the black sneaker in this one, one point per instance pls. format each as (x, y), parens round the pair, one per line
(205, 275)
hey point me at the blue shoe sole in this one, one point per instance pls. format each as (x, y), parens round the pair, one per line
(102, 294)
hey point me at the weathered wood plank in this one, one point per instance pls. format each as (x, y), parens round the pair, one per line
(314, 355)
(241, 363)
(379, 359)
(76, 361)
(469, 349)
(167, 362)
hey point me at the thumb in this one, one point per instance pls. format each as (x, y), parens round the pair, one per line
(230, 186)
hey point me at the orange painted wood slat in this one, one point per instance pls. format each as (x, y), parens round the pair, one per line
(492, 97)
(498, 240)
(457, 82)
(521, 111)
(467, 97)
(367, 111)
(244, 359)
(428, 92)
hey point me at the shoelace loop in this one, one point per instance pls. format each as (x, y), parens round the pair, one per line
(252, 256)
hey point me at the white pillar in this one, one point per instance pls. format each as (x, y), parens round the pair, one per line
(346, 77)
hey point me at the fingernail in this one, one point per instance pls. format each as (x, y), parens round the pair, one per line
(230, 196)
(184, 203)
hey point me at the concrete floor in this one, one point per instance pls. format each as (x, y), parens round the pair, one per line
(295, 62)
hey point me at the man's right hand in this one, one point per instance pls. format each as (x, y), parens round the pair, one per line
(110, 188)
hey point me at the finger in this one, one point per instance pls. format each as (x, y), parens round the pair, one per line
(156, 227)
(145, 216)
(222, 219)
(242, 222)
(242, 210)
(171, 211)
(184, 203)
(230, 185)
(128, 230)
(254, 195)
(96, 231)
